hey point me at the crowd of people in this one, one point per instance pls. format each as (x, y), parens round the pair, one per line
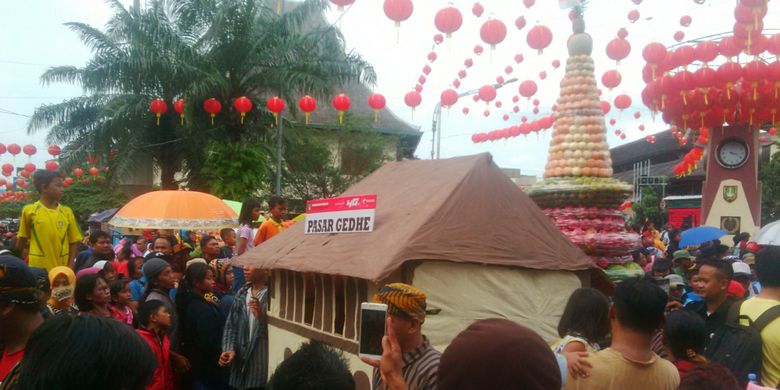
(166, 312)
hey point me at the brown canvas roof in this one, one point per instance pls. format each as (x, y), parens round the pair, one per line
(462, 210)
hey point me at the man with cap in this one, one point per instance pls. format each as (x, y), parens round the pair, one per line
(20, 311)
(682, 263)
(406, 310)
(743, 275)
(749, 258)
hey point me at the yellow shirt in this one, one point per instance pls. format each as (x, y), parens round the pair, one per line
(770, 336)
(612, 371)
(50, 232)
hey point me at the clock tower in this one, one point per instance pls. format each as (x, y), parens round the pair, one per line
(731, 193)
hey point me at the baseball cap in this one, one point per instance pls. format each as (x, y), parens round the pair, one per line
(157, 255)
(740, 268)
(675, 280)
(17, 282)
(682, 254)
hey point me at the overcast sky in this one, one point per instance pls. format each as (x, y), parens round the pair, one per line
(34, 38)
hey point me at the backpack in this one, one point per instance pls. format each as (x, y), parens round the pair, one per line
(738, 347)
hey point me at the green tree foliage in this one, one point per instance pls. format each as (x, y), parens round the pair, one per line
(87, 199)
(192, 49)
(236, 171)
(649, 208)
(770, 190)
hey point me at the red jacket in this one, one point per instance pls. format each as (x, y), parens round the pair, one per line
(163, 375)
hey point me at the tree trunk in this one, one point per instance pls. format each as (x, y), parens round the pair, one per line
(167, 177)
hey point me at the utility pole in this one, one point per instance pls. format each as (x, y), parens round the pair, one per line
(279, 131)
(436, 124)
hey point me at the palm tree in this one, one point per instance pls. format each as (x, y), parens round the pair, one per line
(191, 49)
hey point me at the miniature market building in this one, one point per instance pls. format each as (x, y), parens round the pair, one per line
(458, 229)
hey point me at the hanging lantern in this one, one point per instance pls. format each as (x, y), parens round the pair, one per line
(438, 38)
(605, 107)
(527, 89)
(67, 182)
(29, 167)
(52, 166)
(478, 49)
(413, 99)
(633, 16)
(3, 149)
(93, 171)
(678, 36)
(468, 63)
(520, 22)
(307, 104)
(622, 102)
(432, 57)
(341, 103)
(755, 72)
(426, 70)
(398, 10)
(158, 107)
(342, 3)
(54, 150)
(654, 53)
(377, 102)
(539, 37)
(611, 79)
(242, 105)
(487, 93)
(29, 150)
(7, 169)
(78, 172)
(518, 58)
(556, 64)
(178, 106)
(213, 107)
(448, 20)
(685, 20)
(493, 32)
(622, 33)
(25, 174)
(276, 106)
(14, 149)
(449, 97)
(477, 9)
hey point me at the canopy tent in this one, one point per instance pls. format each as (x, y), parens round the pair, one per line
(462, 210)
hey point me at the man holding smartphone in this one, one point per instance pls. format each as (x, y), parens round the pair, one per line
(406, 310)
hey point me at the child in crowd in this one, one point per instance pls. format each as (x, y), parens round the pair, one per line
(93, 295)
(63, 282)
(684, 339)
(155, 320)
(120, 301)
(585, 322)
(274, 225)
(136, 277)
(106, 270)
(229, 238)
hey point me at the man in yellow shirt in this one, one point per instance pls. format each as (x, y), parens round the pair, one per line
(629, 362)
(48, 232)
(768, 271)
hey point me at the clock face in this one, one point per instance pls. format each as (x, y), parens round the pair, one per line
(732, 153)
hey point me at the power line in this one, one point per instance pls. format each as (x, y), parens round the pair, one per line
(9, 112)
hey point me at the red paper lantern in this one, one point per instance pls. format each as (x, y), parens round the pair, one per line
(539, 37)
(342, 3)
(438, 38)
(84, 181)
(413, 99)
(398, 10)
(622, 102)
(341, 103)
(14, 149)
(78, 172)
(276, 106)
(556, 64)
(212, 106)
(633, 16)
(426, 70)
(520, 22)
(465, 110)
(772, 131)
(54, 150)
(731, 46)
(67, 182)
(529, 3)
(508, 70)
(622, 33)
(518, 58)
(605, 107)
(178, 106)
(29, 150)
(432, 57)
(242, 105)
(527, 89)
(308, 104)
(448, 20)
(478, 49)
(3, 149)
(93, 171)
(487, 93)
(377, 102)
(7, 169)
(611, 79)
(706, 51)
(477, 9)
(542, 75)
(52, 166)
(158, 107)
(685, 20)
(29, 167)
(679, 36)
(456, 83)
(449, 97)
(493, 32)
(754, 72)
(462, 74)
(654, 53)
(773, 44)
(25, 174)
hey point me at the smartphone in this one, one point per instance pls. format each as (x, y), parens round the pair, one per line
(372, 329)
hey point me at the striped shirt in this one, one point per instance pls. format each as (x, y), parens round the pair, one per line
(421, 368)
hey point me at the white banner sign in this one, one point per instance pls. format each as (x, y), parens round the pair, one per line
(340, 215)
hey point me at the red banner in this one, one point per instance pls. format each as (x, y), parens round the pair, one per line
(678, 217)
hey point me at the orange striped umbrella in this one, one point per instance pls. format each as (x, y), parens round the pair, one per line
(175, 210)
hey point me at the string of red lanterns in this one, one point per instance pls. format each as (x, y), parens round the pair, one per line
(524, 129)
